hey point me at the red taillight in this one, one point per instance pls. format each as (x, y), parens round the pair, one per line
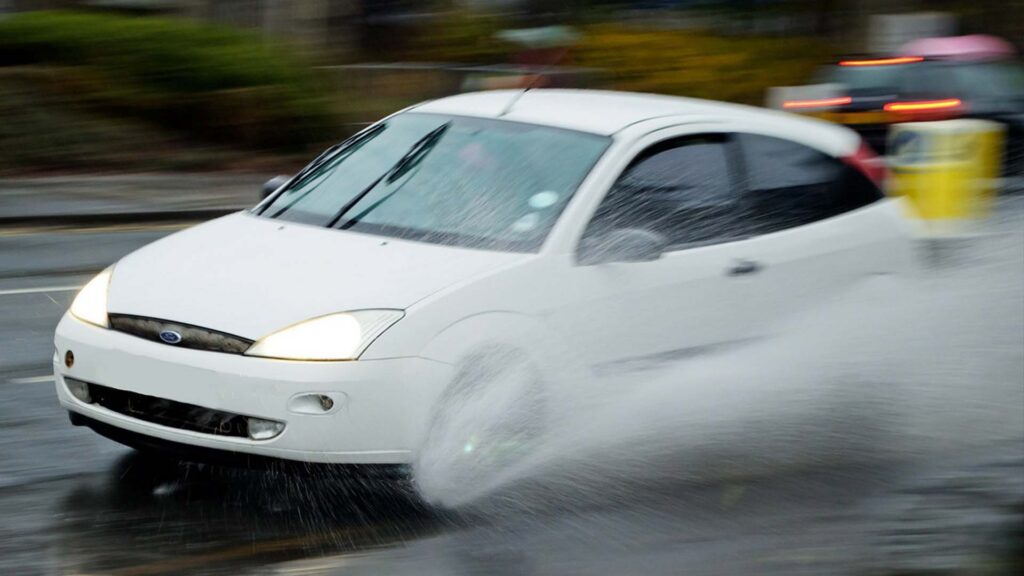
(883, 61)
(868, 163)
(819, 103)
(923, 105)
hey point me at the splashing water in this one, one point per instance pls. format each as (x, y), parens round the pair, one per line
(891, 368)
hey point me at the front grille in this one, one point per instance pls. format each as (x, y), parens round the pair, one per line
(169, 413)
(193, 337)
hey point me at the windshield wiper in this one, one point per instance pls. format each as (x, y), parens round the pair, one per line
(335, 152)
(411, 158)
(329, 154)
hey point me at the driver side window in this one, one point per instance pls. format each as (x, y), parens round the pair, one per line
(682, 189)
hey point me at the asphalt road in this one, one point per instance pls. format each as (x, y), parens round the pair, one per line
(74, 503)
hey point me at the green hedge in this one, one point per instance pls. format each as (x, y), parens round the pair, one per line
(223, 83)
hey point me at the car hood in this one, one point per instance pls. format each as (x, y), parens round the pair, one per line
(250, 276)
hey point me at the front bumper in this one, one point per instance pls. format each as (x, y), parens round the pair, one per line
(381, 407)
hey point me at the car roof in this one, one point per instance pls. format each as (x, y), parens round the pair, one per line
(970, 48)
(598, 111)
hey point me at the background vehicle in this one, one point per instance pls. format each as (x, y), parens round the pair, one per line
(934, 79)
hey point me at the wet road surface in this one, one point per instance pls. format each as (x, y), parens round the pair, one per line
(72, 502)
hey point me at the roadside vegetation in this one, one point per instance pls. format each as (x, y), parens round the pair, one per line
(113, 82)
(43, 132)
(104, 91)
(697, 63)
(643, 56)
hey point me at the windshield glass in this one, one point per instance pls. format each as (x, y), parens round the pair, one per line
(451, 180)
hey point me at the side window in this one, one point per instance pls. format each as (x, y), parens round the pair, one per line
(680, 188)
(789, 184)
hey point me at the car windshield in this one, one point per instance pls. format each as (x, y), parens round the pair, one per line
(459, 181)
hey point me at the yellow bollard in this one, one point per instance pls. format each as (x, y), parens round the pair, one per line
(949, 170)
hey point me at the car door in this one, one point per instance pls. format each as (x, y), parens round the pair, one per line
(628, 316)
(817, 226)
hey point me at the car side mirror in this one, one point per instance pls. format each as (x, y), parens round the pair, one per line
(271, 186)
(622, 245)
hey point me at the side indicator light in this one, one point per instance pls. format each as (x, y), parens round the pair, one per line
(923, 105)
(820, 103)
(883, 61)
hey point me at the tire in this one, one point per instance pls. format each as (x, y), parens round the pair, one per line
(489, 419)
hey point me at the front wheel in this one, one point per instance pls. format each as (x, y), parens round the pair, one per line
(489, 419)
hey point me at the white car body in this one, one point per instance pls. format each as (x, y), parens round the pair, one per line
(249, 275)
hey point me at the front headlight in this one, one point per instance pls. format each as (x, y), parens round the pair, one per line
(90, 305)
(341, 336)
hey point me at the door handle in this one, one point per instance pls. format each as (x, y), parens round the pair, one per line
(743, 267)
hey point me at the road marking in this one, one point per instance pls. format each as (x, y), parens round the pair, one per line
(249, 551)
(39, 290)
(99, 229)
(32, 379)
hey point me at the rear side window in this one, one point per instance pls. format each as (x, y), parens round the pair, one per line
(789, 184)
(680, 188)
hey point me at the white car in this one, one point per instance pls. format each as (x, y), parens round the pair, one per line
(498, 250)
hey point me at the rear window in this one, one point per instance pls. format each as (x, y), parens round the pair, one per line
(865, 79)
(992, 79)
(932, 79)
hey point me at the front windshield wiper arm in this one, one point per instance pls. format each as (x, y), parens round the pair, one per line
(335, 154)
(411, 162)
(407, 161)
(331, 152)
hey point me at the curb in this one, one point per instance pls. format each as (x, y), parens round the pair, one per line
(99, 219)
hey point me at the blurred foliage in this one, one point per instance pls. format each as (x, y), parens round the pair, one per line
(460, 35)
(696, 63)
(219, 83)
(91, 85)
(683, 62)
(43, 131)
(46, 131)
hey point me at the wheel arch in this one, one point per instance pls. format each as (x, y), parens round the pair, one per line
(474, 335)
